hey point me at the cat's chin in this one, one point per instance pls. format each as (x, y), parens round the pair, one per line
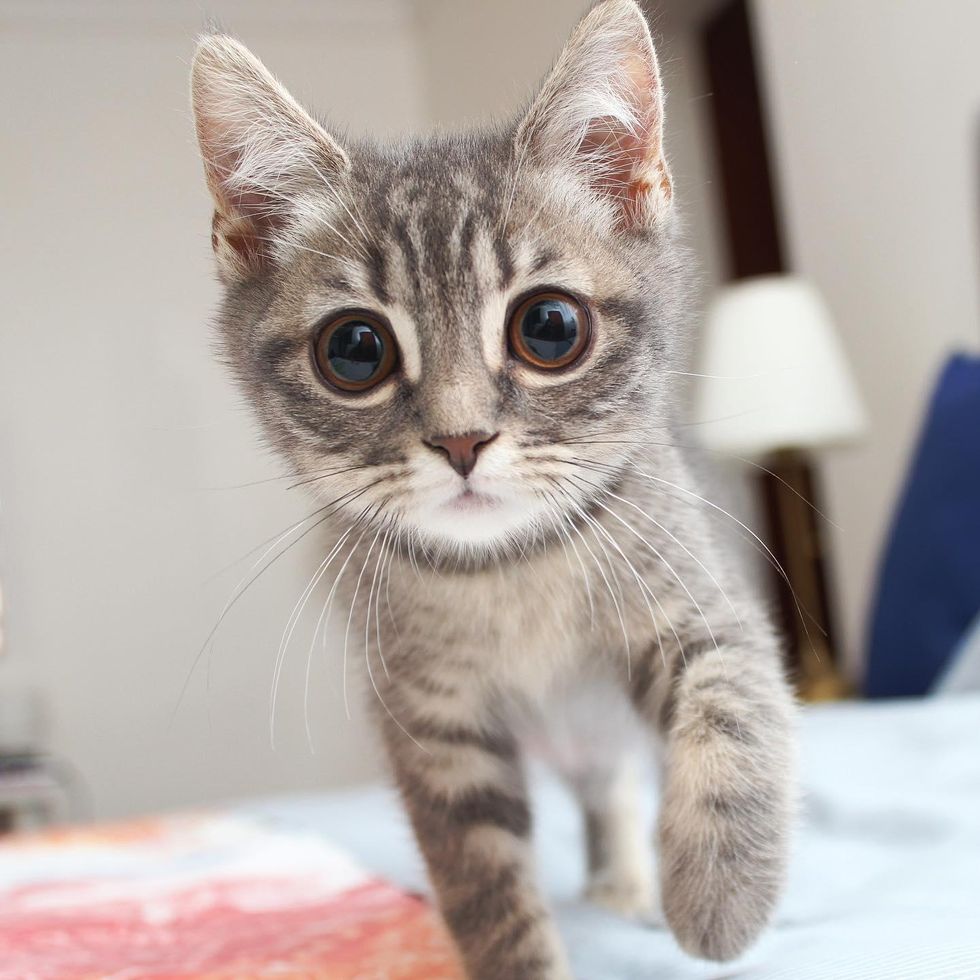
(474, 521)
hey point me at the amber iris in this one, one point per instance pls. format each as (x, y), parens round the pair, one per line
(355, 352)
(549, 330)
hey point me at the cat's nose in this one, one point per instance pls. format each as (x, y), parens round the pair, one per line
(461, 451)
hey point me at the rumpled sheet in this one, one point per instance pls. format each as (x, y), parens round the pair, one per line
(885, 875)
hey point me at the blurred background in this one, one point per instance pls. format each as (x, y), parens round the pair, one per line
(837, 141)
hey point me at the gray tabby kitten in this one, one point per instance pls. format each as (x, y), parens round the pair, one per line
(463, 344)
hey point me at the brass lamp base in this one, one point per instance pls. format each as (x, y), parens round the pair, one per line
(819, 679)
(790, 492)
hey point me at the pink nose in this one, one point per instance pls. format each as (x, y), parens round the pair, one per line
(461, 451)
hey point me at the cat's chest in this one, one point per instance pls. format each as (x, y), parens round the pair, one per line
(520, 624)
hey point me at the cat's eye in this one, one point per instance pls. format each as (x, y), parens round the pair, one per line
(355, 351)
(549, 330)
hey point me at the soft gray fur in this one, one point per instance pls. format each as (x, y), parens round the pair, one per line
(573, 597)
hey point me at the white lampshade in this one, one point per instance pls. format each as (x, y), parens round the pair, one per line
(772, 372)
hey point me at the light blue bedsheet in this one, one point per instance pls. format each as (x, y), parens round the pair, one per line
(885, 879)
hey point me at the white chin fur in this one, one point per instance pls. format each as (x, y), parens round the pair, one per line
(480, 526)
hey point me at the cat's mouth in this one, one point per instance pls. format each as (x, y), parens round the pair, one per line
(477, 512)
(470, 500)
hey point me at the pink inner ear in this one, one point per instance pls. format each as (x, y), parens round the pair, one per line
(619, 170)
(628, 161)
(626, 168)
(246, 227)
(243, 220)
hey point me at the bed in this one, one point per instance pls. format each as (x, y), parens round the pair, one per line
(885, 878)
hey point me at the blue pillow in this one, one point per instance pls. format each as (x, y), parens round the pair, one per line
(962, 673)
(929, 581)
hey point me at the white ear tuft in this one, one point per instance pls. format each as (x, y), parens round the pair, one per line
(600, 113)
(262, 151)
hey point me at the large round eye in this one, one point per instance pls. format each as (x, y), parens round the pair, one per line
(355, 351)
(549, 330)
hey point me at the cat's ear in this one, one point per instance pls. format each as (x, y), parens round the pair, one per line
(600, 114)
(263, 153)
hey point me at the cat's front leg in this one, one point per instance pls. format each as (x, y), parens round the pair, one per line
(727, 717)
(464, 790)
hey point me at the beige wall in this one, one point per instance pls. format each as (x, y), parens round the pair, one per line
(116, 421)
(485, 59)
(875, 118)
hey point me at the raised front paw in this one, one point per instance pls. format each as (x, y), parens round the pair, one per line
(719, 926)
(722, 863)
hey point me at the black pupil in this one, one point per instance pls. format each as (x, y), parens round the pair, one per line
(355, 351)
(550, 329)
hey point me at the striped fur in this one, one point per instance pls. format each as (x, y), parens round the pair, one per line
(582, 607)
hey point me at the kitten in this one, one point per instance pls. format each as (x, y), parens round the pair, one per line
(463, 345)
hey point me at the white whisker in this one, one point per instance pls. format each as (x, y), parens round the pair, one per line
(602, 574)
(645, 590)
(563, 535)
(391, 615)
(350, 617)
(772, 558)
(670, 568)
(367, 619)
(680, 544)
(294, 618)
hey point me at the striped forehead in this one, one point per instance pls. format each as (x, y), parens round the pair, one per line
(438, 245)
(439, 266)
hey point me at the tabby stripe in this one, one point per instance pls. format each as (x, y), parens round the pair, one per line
(739, 806)
(492, 743)
(644, 673)
(494, 901)
(378, 274)
(505, 261)
(487, 805)
(518, 931)
(408, 251)
(466, 238)
(543, 258)
(428, 685)
(274, 350)
(677, 665)
(305, 405)
(338, 284)
(529, 968)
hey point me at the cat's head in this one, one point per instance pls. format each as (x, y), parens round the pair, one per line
(458, 336)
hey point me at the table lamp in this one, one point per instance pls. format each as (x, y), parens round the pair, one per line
(774, 387)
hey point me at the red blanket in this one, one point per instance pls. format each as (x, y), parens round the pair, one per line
(206, 897)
